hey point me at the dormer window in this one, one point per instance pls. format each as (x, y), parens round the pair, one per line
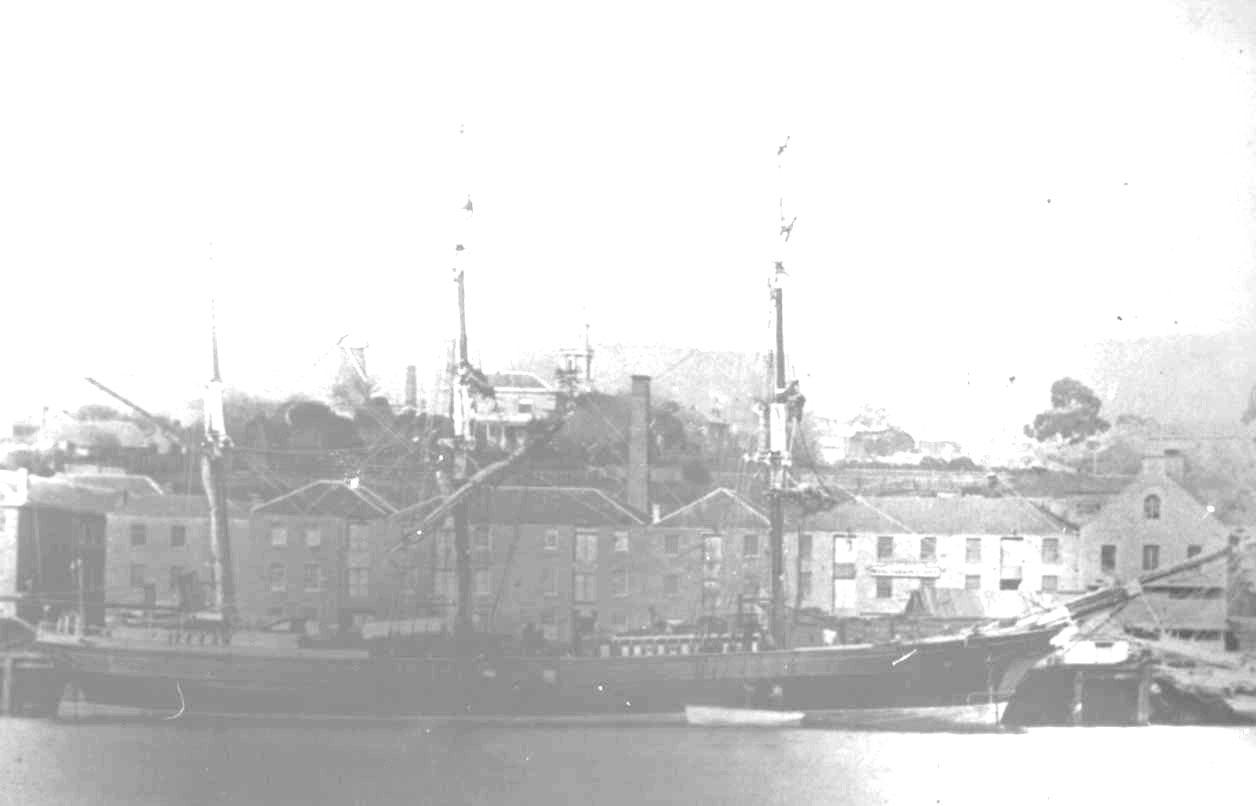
(1151, 507)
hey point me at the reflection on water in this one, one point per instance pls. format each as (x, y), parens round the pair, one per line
(217, 762)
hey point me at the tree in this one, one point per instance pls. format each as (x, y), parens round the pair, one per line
(1073, 416)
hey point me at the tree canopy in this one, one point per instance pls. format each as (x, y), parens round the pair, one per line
(1073, 416)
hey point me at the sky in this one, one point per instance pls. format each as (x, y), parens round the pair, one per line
(982, 189)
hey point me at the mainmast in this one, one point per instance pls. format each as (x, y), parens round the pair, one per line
(215, 445)
(781, 413)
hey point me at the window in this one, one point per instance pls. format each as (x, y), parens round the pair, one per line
(804, 584)
(619, 582)
(972, 550)
(619, 619)
(621, 541)
(1009, 584)
(359, 583)
(843, 570)
(1151, 507)
(278, 535)
(928, 583)
(885, 548)
(1107, 559)
(804, 547)
(713, 548)
(278, 577)
(1151, 557)
(524, 406)
(750, 545)
(313, 577)
(176, 571)
(1050, 583)
(585, 587)
(549, 582)
(551, 540)
(1051, 550)
(446, 586)
(178, 536)
(137, 576)
(1192, 551)
(928, 549)
(885, 587)
(313, 537)
(586, 547)
(671, 585)
(139, 534)
(483, 582)
(549, 625)
(671, 545)
(972, 582)
(359, 538)
(482, 538)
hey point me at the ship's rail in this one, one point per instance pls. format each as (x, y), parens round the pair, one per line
(622, 646)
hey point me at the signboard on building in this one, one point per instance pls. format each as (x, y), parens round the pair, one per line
(913, 570)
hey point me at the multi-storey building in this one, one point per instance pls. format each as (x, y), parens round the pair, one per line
(561, 559)
(873, 554)
(320, 553)
(52, 547)
(1155, 522)
(156, 542)
(518, 398)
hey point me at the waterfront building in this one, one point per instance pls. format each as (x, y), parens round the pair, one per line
(1157, 521)
(158, 545)
(52, 546)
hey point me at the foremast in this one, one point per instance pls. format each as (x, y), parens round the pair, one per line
(780, 417)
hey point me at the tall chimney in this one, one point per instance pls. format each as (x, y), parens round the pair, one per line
(412, 388)
(639, 445)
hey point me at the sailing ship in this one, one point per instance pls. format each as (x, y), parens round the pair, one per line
(939, 682)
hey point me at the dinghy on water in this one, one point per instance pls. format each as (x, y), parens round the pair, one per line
(713, 716)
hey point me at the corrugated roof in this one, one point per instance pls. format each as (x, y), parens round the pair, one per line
(558, 506)
(720, 508)
(329, 498)
(941, 516)
(177, 506)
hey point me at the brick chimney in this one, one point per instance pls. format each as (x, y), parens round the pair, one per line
(1169, 464)
(639, 445)
(412, 388)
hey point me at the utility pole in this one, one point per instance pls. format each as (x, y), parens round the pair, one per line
(463, 433)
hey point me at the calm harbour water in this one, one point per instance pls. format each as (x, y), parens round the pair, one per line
(216, 762)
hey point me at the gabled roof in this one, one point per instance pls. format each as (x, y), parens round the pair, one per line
(557, 506)
(517, 379)
(18, 488)
(177, 506)
(719, 509)
(329, 498)
(969, 514)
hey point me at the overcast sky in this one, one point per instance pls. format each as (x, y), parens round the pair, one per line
(981, 188)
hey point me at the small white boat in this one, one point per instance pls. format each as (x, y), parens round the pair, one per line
(743, 717)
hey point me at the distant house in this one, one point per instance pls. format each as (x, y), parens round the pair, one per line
(519, 398)
(1156, 521)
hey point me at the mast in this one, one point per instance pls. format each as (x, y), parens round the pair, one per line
(463, 434)
(783, 408)
(213, 476)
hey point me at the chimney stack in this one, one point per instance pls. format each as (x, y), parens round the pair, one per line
(412, 388)
(639, 445)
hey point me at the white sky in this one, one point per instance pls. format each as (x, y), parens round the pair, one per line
(982, 188)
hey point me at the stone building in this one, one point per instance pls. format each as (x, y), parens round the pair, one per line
(1156, 521)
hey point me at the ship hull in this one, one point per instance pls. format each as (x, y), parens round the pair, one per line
(879, 682)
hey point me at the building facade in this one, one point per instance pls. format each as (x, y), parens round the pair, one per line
(1153, 523)
(52, 547)
(518, 399)
(877, 552)
(157, 543)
